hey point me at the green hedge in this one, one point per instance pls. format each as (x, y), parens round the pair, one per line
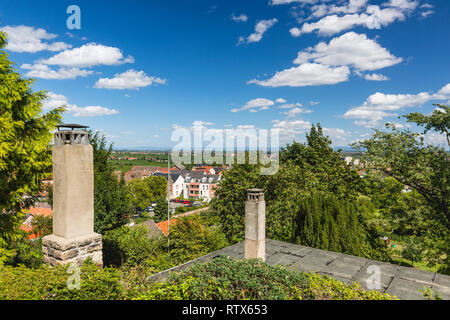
(224, 278)
(46, 283)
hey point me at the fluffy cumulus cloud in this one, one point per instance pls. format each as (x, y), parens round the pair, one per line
(353, 6)
(293, 112)
(55, 100)
(255, 105)
(307, 74)
(350, 49)
(291, 129)
(43, 71)
(340, 137)
(331, 63)
(260, 28)
(295, 32)
(379, 105)
(337, 18)
(89, 55)
(29, 39)
(130, 79)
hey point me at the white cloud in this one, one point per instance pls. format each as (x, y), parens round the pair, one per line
(307, 74)
(402, 4)
(375, 77)
(373, 18)
(313, 103)
(260, 28)
(427, 13)
(130, 79)
(338, 136)
(379, 105)
(289, 105)
(29, 39)
(353, 6)
(290, 129)
(126, 132)
(295, 32)
(58, 100)
(445, 90)
(350, 49)
(257, 104)
(278, 2)
(44, 72)
(245, 126)
(295, 111)
(89, 55)
(280, 100)
(240, 18)
(92, 111)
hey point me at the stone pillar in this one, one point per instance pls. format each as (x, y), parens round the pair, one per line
(255, 225)
(73, 238)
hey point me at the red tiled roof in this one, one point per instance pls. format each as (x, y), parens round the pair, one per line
(40, 211)
(163, 225)
(47, 212)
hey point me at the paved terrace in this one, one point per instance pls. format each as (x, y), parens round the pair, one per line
(398, 281)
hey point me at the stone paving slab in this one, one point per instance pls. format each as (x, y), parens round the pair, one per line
(315, 261)
(398, 281)
(387, 273)
(405, 289)
(345, 266)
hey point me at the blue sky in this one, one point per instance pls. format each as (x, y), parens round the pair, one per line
(137, 70)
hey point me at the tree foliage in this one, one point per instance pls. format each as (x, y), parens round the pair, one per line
(146, 191)
(404, 156)
(25, 136)
(160, 212)
(438, 121)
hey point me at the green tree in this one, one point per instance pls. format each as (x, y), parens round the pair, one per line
(413, 250)
(190, 239)
(24, 157)
(438, 121)
(146, 191)
(404, 156)
(160, 210)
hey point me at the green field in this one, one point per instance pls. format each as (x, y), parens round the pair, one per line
(125, 165)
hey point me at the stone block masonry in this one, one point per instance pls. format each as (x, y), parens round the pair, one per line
(58, 250)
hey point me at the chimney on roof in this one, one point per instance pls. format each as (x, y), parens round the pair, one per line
(73, 238)
(255, 224)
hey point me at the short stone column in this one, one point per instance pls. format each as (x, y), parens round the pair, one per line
(73, 238)
(255, 225)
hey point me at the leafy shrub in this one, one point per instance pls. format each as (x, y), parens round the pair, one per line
(190, 239)
(28, 253)
(46, 283)
(224, 278)
(128, 246)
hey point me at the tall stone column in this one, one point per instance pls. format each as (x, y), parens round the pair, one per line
(255, 225)
(73, 238)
